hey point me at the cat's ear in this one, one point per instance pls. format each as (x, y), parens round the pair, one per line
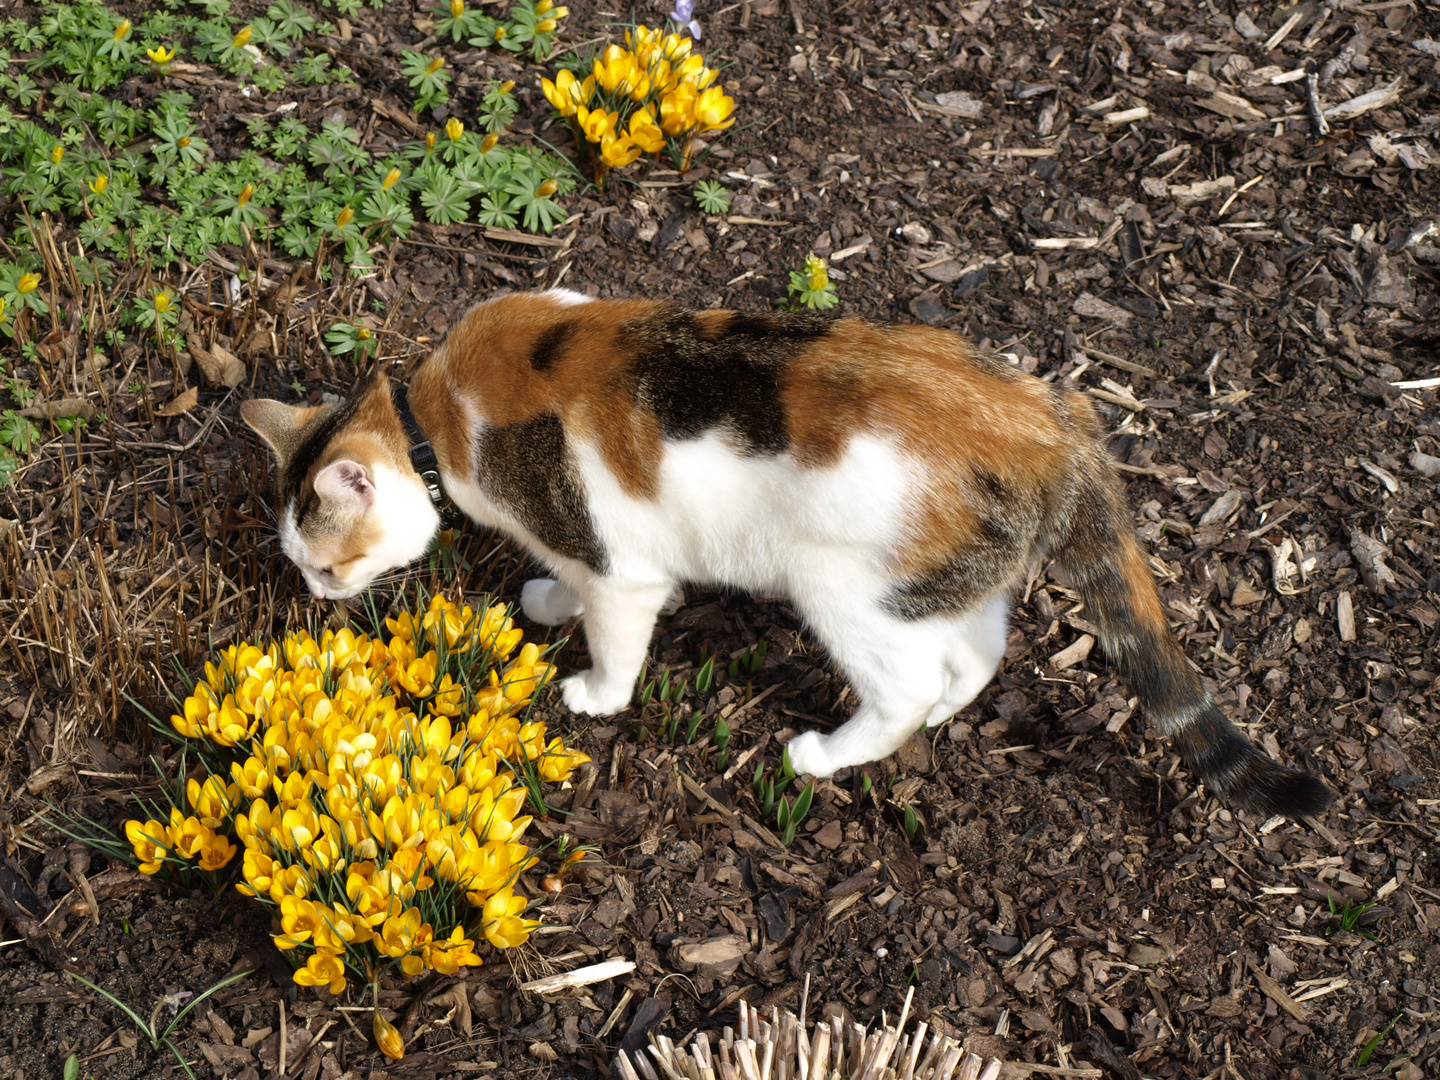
(345, 486)
(277, 423)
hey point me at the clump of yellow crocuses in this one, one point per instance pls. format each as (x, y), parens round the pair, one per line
(376, 788)
(653, 94)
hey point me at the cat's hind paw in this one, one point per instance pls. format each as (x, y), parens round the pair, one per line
(549, 602)
(808, 755)
(581, 697)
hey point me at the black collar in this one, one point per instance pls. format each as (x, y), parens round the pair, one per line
(424, 462)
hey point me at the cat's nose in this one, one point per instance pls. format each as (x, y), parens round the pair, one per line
(317, 591)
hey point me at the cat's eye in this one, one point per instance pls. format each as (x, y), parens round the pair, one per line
(327, 570)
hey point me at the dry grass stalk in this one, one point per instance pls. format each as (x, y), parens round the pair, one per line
(781, 1049)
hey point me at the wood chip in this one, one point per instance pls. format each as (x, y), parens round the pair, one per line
(1345, 616)
(1073, 653)
(585, 976)
(1276, 993)
(1231, 105)
(515, 236)
(741, 219)
(1358, 106)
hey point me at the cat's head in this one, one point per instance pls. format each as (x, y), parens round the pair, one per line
(350, 506)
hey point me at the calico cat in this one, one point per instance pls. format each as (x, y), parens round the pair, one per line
(894, 483)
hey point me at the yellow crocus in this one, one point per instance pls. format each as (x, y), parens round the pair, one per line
(677, 109)
(323, 969)
(299, 918)
(503, 927)
(714, 109)
(151, 842)
(645, 133)
(564, 93)
(387, 1038)
(451, 954)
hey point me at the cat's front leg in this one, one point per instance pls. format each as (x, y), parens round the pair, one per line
(619, 619)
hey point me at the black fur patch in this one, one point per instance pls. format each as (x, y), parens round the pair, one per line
(696, 377)
(526, 468)
(550, 345)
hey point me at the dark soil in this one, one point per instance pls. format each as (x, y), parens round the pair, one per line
(1063, 878)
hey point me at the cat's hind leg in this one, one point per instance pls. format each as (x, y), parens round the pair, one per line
(549, 602)
(619, 619)
(977, 643)
(896, 669)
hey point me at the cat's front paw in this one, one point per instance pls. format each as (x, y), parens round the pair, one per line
(549, 602)
(583, 697)
(808, 755)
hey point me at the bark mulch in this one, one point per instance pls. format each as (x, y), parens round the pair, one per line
(1221, 222)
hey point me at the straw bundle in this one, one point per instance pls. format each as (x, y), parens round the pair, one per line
(782, 1049)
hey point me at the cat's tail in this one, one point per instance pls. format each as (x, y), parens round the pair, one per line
(1096, 547)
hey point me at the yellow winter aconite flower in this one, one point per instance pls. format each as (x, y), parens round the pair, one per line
(457, 8)
(393, 176)
(160, 54)
(123, 30)
(548, 188)
(245, 193)
(57, 154)
(488, 143)
(28, 283)
(817, 277)
(343, 218)
(164, 301)
(454, 129)
(99, 184)
(243, 37)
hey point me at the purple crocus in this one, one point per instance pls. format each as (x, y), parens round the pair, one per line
(684, 17)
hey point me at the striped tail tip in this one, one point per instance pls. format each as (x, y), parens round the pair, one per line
(1243, 776)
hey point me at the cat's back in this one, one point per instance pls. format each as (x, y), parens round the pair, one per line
(631, 377)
